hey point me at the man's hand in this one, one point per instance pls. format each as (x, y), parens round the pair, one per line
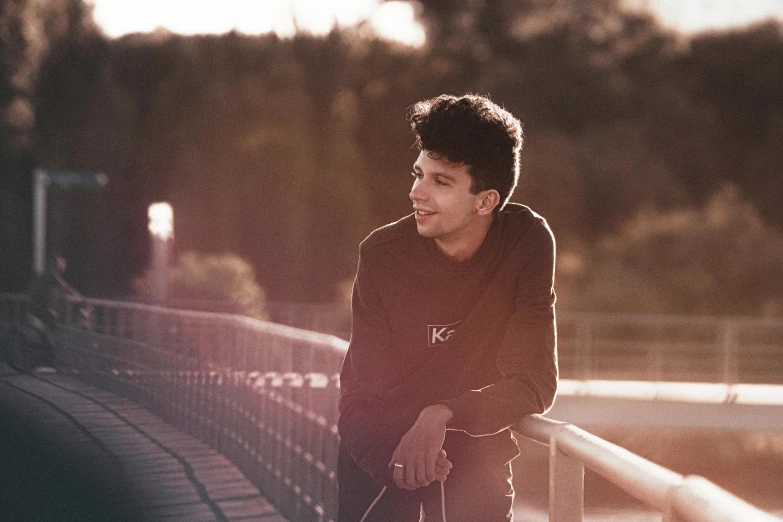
(420, 450)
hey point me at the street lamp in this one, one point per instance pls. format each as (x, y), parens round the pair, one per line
(161, 227)
(161, 218)
(65, 179)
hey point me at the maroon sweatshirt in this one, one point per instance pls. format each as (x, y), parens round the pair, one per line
(478, 336)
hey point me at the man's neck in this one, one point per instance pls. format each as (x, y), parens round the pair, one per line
(464, 247)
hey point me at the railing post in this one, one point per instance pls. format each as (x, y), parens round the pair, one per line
(730, 342)
(655, 355)
(566, 484)
(655, 362)
(670, 509)
(584, 347)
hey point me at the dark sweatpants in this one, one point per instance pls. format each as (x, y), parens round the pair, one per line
(477, 489)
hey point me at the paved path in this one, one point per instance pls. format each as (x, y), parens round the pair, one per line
(69, 451)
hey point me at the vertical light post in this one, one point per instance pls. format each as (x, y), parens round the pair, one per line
(67, 180)
(161, 227)
(40, 187)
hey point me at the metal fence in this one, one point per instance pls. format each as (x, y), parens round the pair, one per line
(625, 346)
(680, 498)
(265, 396)
(671, 348)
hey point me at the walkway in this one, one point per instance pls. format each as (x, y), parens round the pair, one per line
(69, 451)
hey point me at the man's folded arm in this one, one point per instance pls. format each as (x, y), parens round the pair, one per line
(528, 355)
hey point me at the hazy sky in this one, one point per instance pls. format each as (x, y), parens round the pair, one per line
(698, 15)
(395, 20)
(392, 20)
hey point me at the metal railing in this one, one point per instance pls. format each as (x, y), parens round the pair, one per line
(265, 396)
(680, 499)
(726, 350)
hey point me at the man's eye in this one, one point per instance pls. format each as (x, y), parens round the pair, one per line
(416, 175)
(441, 182)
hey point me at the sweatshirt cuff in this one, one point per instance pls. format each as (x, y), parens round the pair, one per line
(462, 414)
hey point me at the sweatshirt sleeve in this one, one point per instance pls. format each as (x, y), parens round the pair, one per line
(363, 427)
(527, 357)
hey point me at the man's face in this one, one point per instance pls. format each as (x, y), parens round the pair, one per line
(444, 206)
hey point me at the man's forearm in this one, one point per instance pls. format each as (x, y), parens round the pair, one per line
(437, 413)
(492, 409)
(415, 460)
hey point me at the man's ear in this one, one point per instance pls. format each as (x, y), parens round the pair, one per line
(486, 201)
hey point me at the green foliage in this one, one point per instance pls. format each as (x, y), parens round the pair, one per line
(216, 282)
(721, 258)
(289, 151)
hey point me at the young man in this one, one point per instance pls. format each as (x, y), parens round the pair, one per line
(453, 336)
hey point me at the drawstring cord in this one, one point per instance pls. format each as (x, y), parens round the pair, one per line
(442, 502)
(373, 503)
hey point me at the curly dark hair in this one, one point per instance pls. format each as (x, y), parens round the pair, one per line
(475, 131)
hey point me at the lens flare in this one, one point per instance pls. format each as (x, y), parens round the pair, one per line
(161, 220)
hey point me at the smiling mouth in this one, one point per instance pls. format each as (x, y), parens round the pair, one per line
(424, 213)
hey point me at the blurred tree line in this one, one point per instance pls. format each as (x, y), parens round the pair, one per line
(287, 152)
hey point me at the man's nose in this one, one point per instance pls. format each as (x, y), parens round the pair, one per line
(418, 192)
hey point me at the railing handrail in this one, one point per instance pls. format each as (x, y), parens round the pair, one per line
(690, 498)
(650, 318)
(288, 332)
(679, 319)
(572, 315)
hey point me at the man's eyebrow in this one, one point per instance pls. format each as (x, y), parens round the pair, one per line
(439, 174)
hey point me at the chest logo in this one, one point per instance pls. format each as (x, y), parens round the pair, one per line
(440, 333)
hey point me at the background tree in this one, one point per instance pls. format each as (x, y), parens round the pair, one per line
(720, 258)
(212, 282)
(289, 151)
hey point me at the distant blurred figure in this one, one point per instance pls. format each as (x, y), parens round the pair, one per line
(48, 289)
(31, 343)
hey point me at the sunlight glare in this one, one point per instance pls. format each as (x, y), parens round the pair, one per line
(261, 18)
(313, 16)
(394, 20)
(161, 220)
(692, 16)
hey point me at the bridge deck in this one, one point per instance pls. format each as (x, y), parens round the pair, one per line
(62, 440)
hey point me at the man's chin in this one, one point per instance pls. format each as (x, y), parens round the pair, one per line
(425, 231)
